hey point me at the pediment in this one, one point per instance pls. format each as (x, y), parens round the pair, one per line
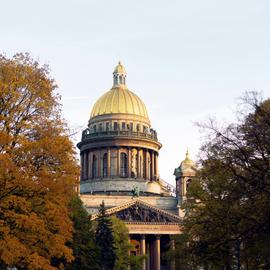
(138, 211)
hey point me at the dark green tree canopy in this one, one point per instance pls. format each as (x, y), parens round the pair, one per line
(104, 240)
(228, 218)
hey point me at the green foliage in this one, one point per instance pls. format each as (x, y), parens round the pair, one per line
(122, 247)
(84, 249)
(104, 240)
(228, 217)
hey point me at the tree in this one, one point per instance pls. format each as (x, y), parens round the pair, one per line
(122, 247)
(38, 169)
(83, 245)
(104, 240)
(228, 218)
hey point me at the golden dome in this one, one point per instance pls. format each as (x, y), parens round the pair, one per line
(187, 162)
(119, 100)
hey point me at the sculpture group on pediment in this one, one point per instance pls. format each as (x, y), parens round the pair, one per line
(141, 214)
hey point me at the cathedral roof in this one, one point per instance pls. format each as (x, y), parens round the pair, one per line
(119, 100)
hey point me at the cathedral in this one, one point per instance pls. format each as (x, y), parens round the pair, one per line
(119, 153)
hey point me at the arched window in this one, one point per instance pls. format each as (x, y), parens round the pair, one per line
(124, 165)
(105, 165)
(188, 183)
(94, 167)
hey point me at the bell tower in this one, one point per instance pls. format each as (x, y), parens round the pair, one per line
(184, 175)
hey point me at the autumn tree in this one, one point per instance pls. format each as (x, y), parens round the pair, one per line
(104, 240)
(228, 206)
(38, 170)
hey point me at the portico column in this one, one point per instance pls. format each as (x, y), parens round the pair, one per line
(157, 252)
(129, 250)
(143, 251)
(173, 249)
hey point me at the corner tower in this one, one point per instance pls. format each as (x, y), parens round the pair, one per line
(119, 149)
(184, 174)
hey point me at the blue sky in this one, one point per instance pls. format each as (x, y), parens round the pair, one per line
(187, 60)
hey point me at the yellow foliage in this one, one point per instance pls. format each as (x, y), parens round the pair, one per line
(38, 168)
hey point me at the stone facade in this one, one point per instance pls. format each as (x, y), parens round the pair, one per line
(119, 165)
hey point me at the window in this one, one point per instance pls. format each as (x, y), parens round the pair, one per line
(115, 126)
(124, 165)
(95, 167)
(100, 127)
(188, 183)
(131, 126)
(107, 126)
(95, 128)
(123, 125)
(105, 165)
(138, 127)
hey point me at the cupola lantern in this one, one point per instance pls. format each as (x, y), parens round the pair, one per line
(119, 75)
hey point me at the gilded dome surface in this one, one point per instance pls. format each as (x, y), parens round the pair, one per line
(119, 100)
(120, 69)
(187, 162)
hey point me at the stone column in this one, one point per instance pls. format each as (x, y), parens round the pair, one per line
(148, 252)
(84, 164)
(146, 165)
(87, 164)
(90, 165)
(153, 164)
(109, 162)
(157, 253)
(99, 174)
(138, 163)
(129, 162)
(156, 163)
(143, 251)
(118, 162)
(173, 249)
(129, 250)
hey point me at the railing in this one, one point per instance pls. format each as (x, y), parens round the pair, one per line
(86, 134)
(168, 187)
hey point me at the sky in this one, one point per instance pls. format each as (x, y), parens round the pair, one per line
(187, 60)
